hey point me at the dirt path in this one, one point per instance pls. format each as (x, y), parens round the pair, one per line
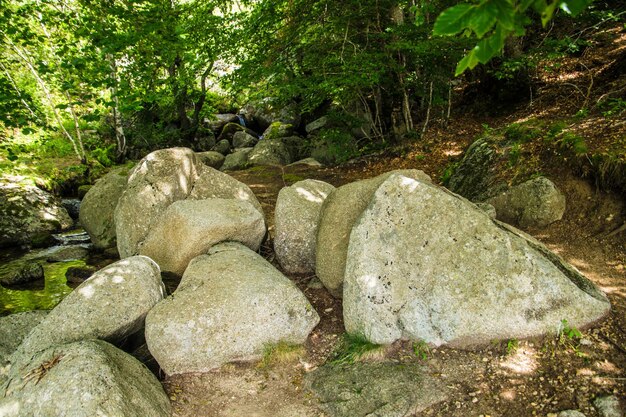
(518, 378)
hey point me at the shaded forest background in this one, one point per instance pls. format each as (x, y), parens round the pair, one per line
(87, 84)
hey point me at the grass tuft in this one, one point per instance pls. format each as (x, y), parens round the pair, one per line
(355, 348)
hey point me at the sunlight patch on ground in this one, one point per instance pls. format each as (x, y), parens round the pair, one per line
(508, 394)
(579, 263)
(523, 361)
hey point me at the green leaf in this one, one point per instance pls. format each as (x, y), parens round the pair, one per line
(574, 7)
(469, 61)
(483, 18)
(548, 11)
(453, 20)
(505, 13)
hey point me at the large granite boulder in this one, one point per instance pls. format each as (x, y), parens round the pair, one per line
(296, 218)
(474, 177)
(425, 264)
(339, 212)
(211, 158)
(212, 183)
(534, 203)
(84, 379)
(189, 228)
(374, 389)
(98, 208)
(278, 130)
(160, 179)
(230, 305)
(222, 147)
(237, 160)
(13, 330)
(270, 152)
(110, 305)
(29, 215)
(244, 140)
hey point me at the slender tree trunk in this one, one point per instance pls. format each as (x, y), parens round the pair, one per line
(120, 137)
(430, 105)
(78, 138)
(19, 93)
(80, 152)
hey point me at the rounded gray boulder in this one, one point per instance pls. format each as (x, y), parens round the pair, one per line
(534, 203)
(339, 212)
(189, 228)
(425, 264)
(111, 305)
(296, 217)
(97, 208)
(84, 379)
(230, 305)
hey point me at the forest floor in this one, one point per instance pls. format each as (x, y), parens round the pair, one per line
(511, 378)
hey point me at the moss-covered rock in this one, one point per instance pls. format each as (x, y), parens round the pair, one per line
(29, 215)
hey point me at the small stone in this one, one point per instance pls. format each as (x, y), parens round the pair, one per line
(608, 406)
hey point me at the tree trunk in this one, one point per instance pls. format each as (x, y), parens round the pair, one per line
(120, 137)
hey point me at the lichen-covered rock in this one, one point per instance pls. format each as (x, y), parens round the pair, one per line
(317, 124)
(218, 121)
(222, 147)
(98, 208)
(339, 213)
(244, 140)
(162, 178)
(230, 129)
(278, 130)
(211, 158)
(374, 389)
(189, 228)
(29, 215)
(20, 271)
(425, 264)
(608, 406)
(159, 179)
(534, 203)
(84, 379)
(110, 305)
(237, 160)
(270, 152)
(296, 218)
(474, 177)
(212, 183)
(230, 305)
(13, 329)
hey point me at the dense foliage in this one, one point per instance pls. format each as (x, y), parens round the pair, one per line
(106, 78)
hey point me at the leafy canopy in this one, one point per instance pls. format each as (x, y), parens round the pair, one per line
(493, 21)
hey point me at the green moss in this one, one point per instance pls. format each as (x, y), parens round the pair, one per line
(292, 178)
(55, 289)
(281, 353)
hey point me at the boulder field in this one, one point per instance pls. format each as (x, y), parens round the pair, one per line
(410, 260)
